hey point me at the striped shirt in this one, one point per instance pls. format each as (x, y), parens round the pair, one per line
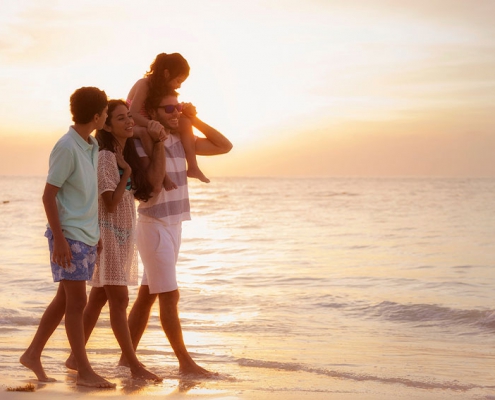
(170, 207)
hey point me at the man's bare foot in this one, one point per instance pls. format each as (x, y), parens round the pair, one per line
(34, 364)
(196, 370)
(142, 373)
(168, 184)
(94, 380)
(195, 172)
(71, 362)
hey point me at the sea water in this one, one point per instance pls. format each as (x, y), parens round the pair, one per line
(309, 287)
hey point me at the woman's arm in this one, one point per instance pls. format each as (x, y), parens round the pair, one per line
(111, 199)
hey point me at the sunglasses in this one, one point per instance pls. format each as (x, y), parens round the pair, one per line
(169, 108)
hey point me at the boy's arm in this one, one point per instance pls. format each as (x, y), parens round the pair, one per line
(62, 254)
(213, 144)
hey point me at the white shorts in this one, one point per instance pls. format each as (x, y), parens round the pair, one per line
(158, 246)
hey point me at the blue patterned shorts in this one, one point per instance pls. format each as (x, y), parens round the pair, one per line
(82, 263)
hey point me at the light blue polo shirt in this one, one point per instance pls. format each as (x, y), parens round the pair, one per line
(73, 168)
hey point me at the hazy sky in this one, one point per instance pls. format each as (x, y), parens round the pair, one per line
(305, 87)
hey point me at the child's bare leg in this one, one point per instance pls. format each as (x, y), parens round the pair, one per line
(49, 322)
(189, 143)
(97, 299)
(75, 300)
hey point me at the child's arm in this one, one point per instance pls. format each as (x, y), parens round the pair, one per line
(62, 254)
(138, 95)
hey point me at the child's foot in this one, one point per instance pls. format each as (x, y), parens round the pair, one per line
(94, 380)
(142, 373)
(195, 172)
(169, 184)
(34, 364)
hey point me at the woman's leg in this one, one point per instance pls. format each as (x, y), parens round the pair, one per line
(118, 298)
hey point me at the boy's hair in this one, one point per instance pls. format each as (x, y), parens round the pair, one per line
(152, 102)
(86, 102)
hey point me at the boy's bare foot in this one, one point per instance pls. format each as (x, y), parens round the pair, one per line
(195, 172)
(94, 380)
(34, 364)
(71, 362)
(169, 184)
(142, 373)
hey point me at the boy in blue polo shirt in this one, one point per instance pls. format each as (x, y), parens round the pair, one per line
(71, 206)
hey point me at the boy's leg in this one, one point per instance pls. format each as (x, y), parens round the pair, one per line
(49, 322)
(75, 302)
(97, 300)
(118, 298)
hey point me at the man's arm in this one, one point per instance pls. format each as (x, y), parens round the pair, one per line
(154, 166)
(213, 144)
(61, 250)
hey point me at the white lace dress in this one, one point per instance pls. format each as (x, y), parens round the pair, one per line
(117, 263)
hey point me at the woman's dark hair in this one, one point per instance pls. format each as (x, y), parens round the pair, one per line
(176, 66)
(143, 189)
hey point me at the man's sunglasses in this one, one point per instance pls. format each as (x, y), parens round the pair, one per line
(169, 108)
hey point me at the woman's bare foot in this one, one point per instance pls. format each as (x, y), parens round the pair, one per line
(195, 172)
(34, 364)
(94, 380)
(142, 373)
(168, 183)
(71, 362)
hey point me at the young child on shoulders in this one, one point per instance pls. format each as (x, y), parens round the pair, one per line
(168, 71)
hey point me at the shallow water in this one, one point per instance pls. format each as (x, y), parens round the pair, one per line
(308, 287)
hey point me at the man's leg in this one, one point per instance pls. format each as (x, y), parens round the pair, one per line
(169, 317)
(138, 318)
(92, 311)
(49, 322)
(75, 300)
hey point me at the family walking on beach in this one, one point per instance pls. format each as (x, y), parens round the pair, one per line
(139, 152)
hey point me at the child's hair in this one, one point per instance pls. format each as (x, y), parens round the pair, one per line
(143, 189)
(86, 102)
(176, 66)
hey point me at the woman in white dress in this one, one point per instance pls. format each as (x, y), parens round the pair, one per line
(120, 181)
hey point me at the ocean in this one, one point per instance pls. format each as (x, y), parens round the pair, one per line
(301, 288)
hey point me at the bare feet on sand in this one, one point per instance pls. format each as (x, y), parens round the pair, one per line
(169, 184)
(92, 379)
(71, 362)
(195, 172)
(34, 364)
(194, 369)
(142, 373)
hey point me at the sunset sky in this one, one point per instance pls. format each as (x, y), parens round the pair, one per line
(301, 87)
